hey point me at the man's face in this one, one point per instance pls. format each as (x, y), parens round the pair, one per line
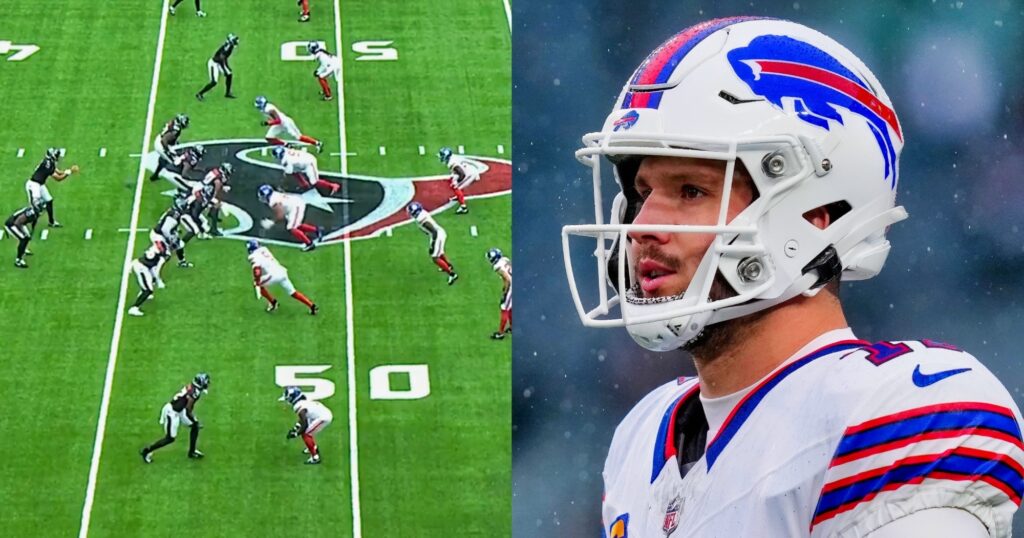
(678, 191)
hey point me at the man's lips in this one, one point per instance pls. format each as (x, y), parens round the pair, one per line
(652, 275)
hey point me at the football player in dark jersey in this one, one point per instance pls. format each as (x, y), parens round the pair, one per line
(218, 65)
(180, 410)
(199, 8)
(147, 273)
(187, 161)
(38, 195)
(17, 226)
(216, 182)
(165, 142)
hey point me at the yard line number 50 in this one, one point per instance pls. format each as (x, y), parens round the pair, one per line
(384, 381)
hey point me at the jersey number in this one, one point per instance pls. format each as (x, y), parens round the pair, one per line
(289, 375)
(417, 386)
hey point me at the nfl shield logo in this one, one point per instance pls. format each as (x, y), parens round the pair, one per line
(671, 517)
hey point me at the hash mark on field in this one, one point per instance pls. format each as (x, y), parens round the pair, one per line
(472, 231)
(462, 150)
(383, 150)
(263, 152)
(136, 155)
(1, 235)
(103, 152)
(44, 235)
(140, 230)
(501, 149)
(423, 150)
(88, 234)
(21, 152)
(387, 231)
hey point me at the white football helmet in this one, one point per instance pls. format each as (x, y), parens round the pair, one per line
(811, 125)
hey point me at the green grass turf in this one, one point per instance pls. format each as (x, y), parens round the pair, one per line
(435, 466)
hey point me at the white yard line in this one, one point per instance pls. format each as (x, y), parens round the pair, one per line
(508, 14)
(115, 339)
(353, 423)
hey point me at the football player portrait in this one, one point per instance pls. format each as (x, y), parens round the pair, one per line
(739, 199)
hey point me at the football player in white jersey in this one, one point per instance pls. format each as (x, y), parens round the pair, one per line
(757, 165)
(463, 174)
(280, 123)
(437, 237)
(503, 268)
(313, 418)
(327, 65)
(266, 270)
(291, 209)
(304, 167)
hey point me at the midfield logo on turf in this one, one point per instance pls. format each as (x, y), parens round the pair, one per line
(368, 207)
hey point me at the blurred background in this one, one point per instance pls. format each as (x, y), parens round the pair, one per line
(953, 71)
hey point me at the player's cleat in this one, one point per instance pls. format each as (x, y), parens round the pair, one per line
(230, 96)
(304, 18)
(185, 264)
(319, 146)
(195, 454)
(20, 264)
(315, 460)
(452, 278)
(199, 96)
(216, 233)
(160, 284)
(200, 14)
(272, 306)
(328, 97)
(305, 451)
(28, 252)
(146, 457)
(134, 311)
(313, 310)
(171, 10)
(308, 247)
(498, 336)
(56, 224)
(462, 210)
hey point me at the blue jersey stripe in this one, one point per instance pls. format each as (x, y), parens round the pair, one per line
(944, 420)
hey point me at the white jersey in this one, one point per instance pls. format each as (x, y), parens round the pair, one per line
(429, 226)
(271, 111)
(328, 64)
(297, 161)
(841, 439)
(315, 411)
(470, 169)
(266, 261)
(287, 202)
(503, 264)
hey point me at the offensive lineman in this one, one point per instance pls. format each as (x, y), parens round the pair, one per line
(503, 268)
(185, 162)
(313, 418)
(164, 146)
(304, 167)
(218, 65)
(166, 232)
(291, 209)
(181, 410)
(266, 270)
(437, 237)
(329, 65)
(17, 226)
(739, 214)
(462, 176)
(38, 195)
(281, 123)
(214, 184)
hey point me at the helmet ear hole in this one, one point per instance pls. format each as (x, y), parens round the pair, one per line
(824, 216)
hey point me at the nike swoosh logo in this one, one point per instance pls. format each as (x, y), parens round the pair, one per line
(923, 380)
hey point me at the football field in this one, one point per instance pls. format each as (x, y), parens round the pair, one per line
(420, 441)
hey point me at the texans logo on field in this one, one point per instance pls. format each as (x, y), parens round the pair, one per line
(364, 207)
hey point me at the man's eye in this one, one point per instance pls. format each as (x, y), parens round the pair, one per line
(689, 191)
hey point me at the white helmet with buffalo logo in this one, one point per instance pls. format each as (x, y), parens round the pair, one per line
(813, 128)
